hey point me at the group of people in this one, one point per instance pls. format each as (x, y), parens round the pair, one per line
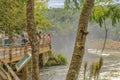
(43, 38)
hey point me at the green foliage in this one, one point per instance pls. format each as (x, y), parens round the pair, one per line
(101, 13)
(12, 16)
(56, 59)
(50, 63)
(73, 4)
(114, 13)
(62, 21)
(65, 22)
(98, 15)
(41, 21)
(62, 59)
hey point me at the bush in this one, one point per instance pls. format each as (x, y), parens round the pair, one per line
(56, 59)
(62, 59)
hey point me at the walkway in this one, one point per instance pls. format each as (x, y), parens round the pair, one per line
(18, 52)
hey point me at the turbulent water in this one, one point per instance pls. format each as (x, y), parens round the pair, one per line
(110, 69)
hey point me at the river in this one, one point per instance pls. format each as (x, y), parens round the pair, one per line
(110, 69)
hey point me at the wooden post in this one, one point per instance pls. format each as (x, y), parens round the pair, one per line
(24, 73)
(16, 50)
(10, 70)
(4, 51)
(5, 74)
(10, 53)
(21, 50)
(24, 69)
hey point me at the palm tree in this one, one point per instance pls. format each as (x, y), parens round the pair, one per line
(78, 53)
(31, 29)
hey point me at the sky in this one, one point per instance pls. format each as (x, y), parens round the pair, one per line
(60, 3)
(117, 1)
(56, 3)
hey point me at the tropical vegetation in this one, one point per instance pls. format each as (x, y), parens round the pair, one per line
(32, 15)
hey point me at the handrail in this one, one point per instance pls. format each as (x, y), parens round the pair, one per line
(18, 51)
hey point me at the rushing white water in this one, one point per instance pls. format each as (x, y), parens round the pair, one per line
(110, 69)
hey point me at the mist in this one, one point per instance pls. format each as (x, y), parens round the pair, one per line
(63, 31)
(63, 34)
(65, 43)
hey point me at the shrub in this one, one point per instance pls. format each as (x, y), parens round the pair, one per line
(62, 59)
(56, 59)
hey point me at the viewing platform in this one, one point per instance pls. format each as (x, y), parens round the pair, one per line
(18, 52)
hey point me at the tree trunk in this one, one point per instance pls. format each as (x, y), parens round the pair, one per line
(106, 31)
(78, 53)
(31, 29)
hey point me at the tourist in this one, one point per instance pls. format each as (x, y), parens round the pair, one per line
(24, 37)
(44, 39)
(6, 40)
(49, 38)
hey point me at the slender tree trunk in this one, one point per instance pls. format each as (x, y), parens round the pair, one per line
(78, 53)
(31, 29)
(106, 31)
